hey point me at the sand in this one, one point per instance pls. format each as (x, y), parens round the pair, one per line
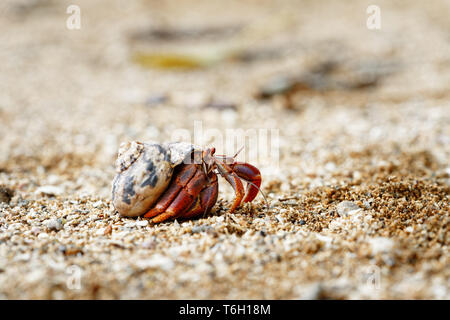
(357, 187)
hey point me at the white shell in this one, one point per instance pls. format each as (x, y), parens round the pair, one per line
(144, 171)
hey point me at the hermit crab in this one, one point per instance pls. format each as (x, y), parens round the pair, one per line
(176, 180)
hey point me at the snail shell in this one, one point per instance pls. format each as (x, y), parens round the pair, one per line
(144, 171)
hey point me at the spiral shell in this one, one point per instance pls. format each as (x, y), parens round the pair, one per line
(144, 171)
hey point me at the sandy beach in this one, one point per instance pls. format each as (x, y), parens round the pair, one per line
(356, 175)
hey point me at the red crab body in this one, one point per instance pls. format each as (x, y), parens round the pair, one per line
(194, 187)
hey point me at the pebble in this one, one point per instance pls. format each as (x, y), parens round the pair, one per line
(5, 195)
(130, 225)
(156, 261)
(43, 235)
(49, 190)
(142, 223)
(32, 213)
(346, 208)
(380, 245)
(325, 239)
(108, 230)
(71, 217)
(221, 105)
(62, 248)
(330, 166)
(22, 257)
(357, 175)
(100, 231)
(280, 218)
(149, 244)
(155, 100)
(35, 231)
(311, 291)
(366, 204)
(190, 99)
(97, 204)
(54, 224)
(202, 228)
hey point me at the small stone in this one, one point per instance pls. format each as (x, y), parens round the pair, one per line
(155, 100)
(32, 213)
(142, 223)
(72, 251)
(221, 105)
(202, 228)
(302, 222)
(330, 166)
(130, 225)
(23, 203)
(43, 235)
(54, 224)
(100, 232)
(149, 244)
(191, 99)
(108, 230)
(5, 195)
(22, 257)
(49, 190)
(346, 208)
(97, 204)
(366, 204)
(35, 231)
(380, 245)
(157, 261)
(311, 292)
(325, 239)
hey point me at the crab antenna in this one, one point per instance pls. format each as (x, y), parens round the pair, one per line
(224, 156)
(239, 151)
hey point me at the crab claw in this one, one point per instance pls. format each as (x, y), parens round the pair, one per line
(232, 178)
(250, 174)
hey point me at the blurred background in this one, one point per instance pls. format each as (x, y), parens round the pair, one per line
(344, 100)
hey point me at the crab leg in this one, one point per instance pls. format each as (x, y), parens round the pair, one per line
(250, 174)
(205, 200)
(185, 198)
(179, 180)
(226, 172)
